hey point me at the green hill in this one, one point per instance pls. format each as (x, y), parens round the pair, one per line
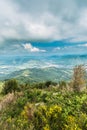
(44, 74)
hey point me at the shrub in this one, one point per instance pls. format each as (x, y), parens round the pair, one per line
(79, 83)
(10, 86)
(48, 118)
(43, 85)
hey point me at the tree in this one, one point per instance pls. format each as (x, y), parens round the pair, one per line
(79, 83)
(10, 86)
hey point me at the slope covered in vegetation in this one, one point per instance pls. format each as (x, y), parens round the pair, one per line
(46, 105)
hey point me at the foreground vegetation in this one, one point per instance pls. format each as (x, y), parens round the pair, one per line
(45, 106)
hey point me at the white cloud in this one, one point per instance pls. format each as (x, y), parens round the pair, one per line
(43, 20)
(83, 45)
(57, 48)
(29, 47)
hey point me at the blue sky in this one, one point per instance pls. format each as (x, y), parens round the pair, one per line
(33, 26)
(15, 47)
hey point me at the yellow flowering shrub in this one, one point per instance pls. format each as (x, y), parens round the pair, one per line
(27, 113)
(46, 118)
(46, 127)
(71, 123)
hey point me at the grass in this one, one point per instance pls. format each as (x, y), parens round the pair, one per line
(1, 86)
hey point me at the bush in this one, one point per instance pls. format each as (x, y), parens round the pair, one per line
(48, 118)
(44, 85)
(79, 83)
(10, 86)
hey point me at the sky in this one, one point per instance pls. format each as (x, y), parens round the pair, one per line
(26, 22)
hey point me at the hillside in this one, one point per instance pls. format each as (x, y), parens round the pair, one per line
(40, 74)
(44, 107)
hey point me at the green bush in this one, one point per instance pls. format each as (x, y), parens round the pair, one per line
(43, 85)
(10, 86)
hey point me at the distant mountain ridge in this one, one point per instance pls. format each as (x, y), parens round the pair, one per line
(36, 68)
(40, 74)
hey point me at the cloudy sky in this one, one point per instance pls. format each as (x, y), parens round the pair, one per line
(28, 21)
